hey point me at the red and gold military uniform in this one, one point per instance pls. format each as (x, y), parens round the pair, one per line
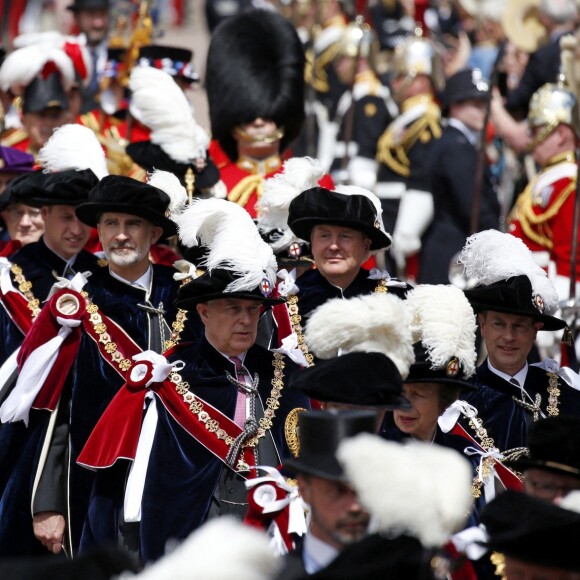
(543, 215)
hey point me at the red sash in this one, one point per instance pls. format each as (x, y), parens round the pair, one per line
(16, 307)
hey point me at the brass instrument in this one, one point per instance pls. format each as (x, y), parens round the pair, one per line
(522, 25)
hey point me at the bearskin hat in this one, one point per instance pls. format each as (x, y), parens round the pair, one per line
(255, 68)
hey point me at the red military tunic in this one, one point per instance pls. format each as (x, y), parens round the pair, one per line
(543, 215)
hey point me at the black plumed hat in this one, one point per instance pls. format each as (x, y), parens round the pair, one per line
(554, 445)
(368, 379)
(532, 530)
(255, 68)
(39, 189)
(319, 435)
(172, 59)
(121, 194)
(348, 206)
(151, 156)
(513, 296)
(44, 93)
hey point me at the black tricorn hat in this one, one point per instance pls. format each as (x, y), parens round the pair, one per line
(368, 379)
(319, 435)
(44, 93)
(151, 156)
(213, 286)
(172, 59)
(467, 84)
(512, 296)
(554, 445)
(319, 205)
(422, 371)
(255, 69)
(37, 189)
(532, 530)
(121, 194)
(88, 5)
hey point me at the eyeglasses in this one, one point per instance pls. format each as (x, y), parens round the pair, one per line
(550, 490)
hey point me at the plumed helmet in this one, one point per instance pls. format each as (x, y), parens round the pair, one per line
(419, 56)
(255, 68)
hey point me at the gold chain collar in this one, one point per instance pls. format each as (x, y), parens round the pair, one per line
(196, 405)
(26, 288)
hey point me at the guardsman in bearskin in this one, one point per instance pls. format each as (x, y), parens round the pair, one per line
(543, 216)
(95, 327)
(404, 147)
(364, 110)
(255, 88)
(219, 405)
(514, 300)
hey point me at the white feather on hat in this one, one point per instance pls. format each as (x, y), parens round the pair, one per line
(73, 147)
(491, 256)
(221, 549)
(233, 240)
(298, 174)
(370, 323)
(170, 184)
(160, 104)
(356, 190)
(443, 320)
(413, 489)
(23, 65)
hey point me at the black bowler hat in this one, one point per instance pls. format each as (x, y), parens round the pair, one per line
(172, 59)
(121, 194)
(347, 206)
(368, 379)
(504, 277)
(513, 296)
(88, 5)
(151, 156)
(532, 530)
(44, 93)
(319, 435)
(40, 189)
(467, 84)
(554, 445)
(237, 263)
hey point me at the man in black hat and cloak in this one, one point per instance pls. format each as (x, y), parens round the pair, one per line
(218, 405)
(124, 310)
(514, 300)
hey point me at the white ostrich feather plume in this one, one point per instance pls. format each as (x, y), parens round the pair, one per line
(443, 320)
(170, 184)
(298, 174)
(73, 147)
(247, 556)
(370, 323)
(22, 66)
(232, 238)
(415, 489)
(490, 256)
(162, 106)
(571, 501)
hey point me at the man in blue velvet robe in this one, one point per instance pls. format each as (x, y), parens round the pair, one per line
(232, 407)
(138, 297)
(511, 311)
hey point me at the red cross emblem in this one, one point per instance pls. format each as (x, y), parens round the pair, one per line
(453, 368)
(265, 287)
